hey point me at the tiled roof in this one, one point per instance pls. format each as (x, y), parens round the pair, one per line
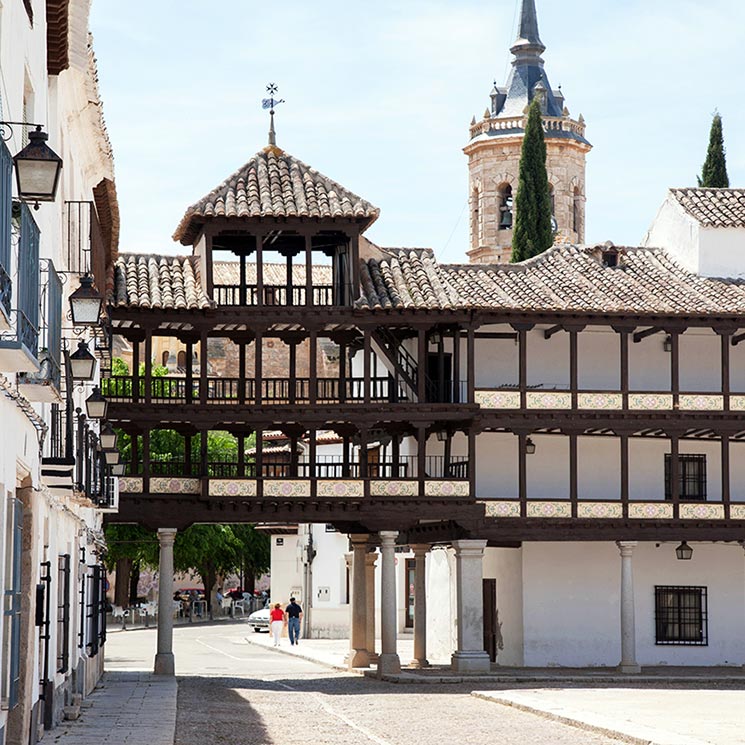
(564, 278)
(715, 208)
(150, 281)
(275, 184)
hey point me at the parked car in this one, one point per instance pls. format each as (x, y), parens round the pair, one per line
(259, 620)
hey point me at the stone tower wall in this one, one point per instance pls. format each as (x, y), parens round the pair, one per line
(496, 162)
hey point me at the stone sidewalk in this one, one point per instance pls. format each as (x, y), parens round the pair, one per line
(127, 708)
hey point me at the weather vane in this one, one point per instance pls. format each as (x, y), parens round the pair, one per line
(271, 103)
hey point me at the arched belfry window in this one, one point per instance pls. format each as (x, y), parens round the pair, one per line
(505, 207)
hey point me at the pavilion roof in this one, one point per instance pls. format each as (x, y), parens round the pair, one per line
(713, 208)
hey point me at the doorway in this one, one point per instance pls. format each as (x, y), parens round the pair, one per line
(490, 617)
(410, 585)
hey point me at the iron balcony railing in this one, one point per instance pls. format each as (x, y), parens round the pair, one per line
(6, 226)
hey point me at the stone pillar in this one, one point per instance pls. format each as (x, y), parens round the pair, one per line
(371, 558)
(470, 656)
(628, 611)
(420, 606)
(389, 662)
(164, 661)
(358, 636)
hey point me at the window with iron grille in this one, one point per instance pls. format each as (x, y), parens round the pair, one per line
(691, 475)
(63, 614)
(11, 649)
(681, 616)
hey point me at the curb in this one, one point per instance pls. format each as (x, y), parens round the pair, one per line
(306, 657)
(576, 723)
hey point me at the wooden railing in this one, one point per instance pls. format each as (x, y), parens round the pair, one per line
(281, 295)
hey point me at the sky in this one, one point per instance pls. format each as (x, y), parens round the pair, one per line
(379, 96)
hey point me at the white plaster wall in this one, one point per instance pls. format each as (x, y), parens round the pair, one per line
(505, 565)
(737, 471)
(496, 360)
(548, 359)
(548, 468)
(737, 368)
(599, 359)
(287, 569)
(572, 603)
(700, 361)
(649, 364)
(675, 231)
(496, 460)
(722, 252)
(441, 605)
(598, 468)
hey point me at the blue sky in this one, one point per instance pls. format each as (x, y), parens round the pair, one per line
(380, 95)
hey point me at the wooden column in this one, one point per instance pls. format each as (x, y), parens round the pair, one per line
(345, 458)
(472, 462)
(362, 456)
(146, 461)
(136, 371)
(725, 445)
(293, 372)
(726, 341)
(354, 263)
(471, 353)
(203, 371)
(624, 442)
(441, 368)
(241, 372)
(259, 462)
(293, 458)
(258, 367)
(367, 354)
(522, 472)
(189, 372)
(260, 269)
(573, 480)
(309, 270)
(624, 337)
(312, 470)
(421, 366)
(395, 456)
(241, 456)
(522, 336)
(675, 473)
(313, 367)
(289, 282)
(148, 365)
(342, 373)
(203, 454)
(421, 440)
(187, 455)
(456, 365)
(134, 466)
(242, 289)
(573, 367)
(675, 368)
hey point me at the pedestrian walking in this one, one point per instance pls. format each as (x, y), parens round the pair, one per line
(277, 617)
(293, 613)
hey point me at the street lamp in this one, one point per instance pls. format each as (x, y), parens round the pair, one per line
(108, 437)
(529, 447)
(111, 456)
(82, 363)
(96, 405)
(38, 167)
(85, 303)
(118, 469)
(684, 552)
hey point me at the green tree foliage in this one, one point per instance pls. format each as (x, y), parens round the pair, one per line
(533, 232)
(714, 173)
(129, 549)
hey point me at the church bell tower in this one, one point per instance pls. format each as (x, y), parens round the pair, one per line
(495, 146)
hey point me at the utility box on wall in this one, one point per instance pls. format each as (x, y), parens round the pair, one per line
(324, 594)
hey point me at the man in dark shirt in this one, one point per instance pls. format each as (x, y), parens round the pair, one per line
(293, 614)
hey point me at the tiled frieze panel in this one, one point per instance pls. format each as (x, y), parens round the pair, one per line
(549, 400)
(175, 485)
(701, 402)
(701, 511)
(447, 488)
(600, 401)
(599, 510)
(498, 399)
(232, 488)
(737, 403)
(650, 401)
(737, 511)
(549, 509)
(341, 488)
(651, 510)
(286, 488)
(384, 488)
(130, 484)
(501, 509)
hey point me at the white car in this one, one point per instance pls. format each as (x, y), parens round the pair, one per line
(259, 620)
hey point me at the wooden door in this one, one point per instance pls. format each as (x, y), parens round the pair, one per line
(490, 617)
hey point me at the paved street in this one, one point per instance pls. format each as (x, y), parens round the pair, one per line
(233, 692)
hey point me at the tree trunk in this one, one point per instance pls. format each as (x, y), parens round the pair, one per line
(121, 586)
(134, 581)
(249, 578)
(209, 580)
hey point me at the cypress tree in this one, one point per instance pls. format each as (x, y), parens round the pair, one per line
(714, 173)
(533, 233)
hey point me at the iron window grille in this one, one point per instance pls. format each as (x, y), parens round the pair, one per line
(681, 616)
(691, 477)
(11, 649)
(63, 614)
(43, 622)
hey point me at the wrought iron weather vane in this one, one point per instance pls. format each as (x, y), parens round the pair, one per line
(271, 103)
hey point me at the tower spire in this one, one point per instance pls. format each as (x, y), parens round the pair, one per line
(528, 42)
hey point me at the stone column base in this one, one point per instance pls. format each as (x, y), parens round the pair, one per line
(419, 664)
(470, 662)
(359, 658)
(389, 664)
(165, 664)
(629, 669)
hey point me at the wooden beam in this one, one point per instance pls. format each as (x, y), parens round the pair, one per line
(548, 333)
(737, 338)
(639, 335)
